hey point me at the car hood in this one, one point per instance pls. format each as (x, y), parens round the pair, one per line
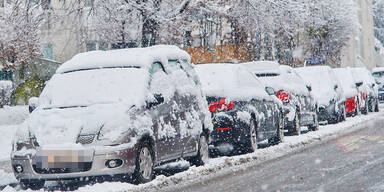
(63, 126)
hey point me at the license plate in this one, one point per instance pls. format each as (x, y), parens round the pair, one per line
(62, 158)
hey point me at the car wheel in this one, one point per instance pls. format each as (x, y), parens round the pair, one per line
(202, 156)
(377, 106)
(357, 109)
(33, 185)
(295, 129)
(365, 110)
(279, 137)
(144, 164)
(315, 125)
(343, 116)
(252, 138)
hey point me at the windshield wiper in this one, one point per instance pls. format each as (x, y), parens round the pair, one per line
(66, 107)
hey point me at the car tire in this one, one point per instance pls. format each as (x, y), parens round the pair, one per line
(202, 156)
(377, 106)
(365, 110)
(144, 164)
(252, 137)
(357, 109)
(315, 125)
(343, 115)
(295, 129)
(279, 137)
(33, 185)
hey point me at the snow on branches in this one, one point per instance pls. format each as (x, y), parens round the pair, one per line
(20, 23)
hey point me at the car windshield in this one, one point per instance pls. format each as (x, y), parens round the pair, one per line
(98, 86)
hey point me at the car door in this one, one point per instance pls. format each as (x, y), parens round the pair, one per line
(165, 128)
(187, 114)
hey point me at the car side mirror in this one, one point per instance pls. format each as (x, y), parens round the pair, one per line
(358, 84)
(33, 103)
(336, 86)
(270, 90)
(373, 85)
(309, 88)
(285, 111)
(159, 99)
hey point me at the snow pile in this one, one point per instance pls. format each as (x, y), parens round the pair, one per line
(136, 57)
(226, 165)
(323, 82)
(6, 178)
(347, 82)
(7, 133)
(230, 81)
(13, 115)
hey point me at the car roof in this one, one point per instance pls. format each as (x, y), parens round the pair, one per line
(378, 69)
(133, 57)
(263, 66)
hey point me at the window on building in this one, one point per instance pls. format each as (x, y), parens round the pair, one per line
(103, 46)
(91, 46)
(48, 52)
(188, 38)
(46, 4)
(89, 3)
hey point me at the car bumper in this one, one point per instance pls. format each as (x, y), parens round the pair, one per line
(381, 97)
(350, 106)
(97, 166)
(307, 118)
(327, 113)
(228, 130)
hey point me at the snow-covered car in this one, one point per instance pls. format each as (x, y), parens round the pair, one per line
(114, 113)
(291, 90)
(378, 74)
(355, 98)
(242, 111)
(327, 91)
(369, 86)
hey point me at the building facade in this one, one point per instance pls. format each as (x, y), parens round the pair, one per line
(360, 50)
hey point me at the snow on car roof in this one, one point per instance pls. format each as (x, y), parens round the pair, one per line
(321, 80)
(362, 74)
(230, 80)
(347, 82)
(378, 69)
(262, 67)
(133, 57)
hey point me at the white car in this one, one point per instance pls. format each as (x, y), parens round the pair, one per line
(327, 91)
(369, 84)
(291, 90)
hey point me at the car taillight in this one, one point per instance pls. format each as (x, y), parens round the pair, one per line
(283, 95)
(221, 105)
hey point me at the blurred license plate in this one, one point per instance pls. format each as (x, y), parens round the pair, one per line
(62, 158)
(307, 118)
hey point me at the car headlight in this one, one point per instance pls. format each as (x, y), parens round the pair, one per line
(27, 144)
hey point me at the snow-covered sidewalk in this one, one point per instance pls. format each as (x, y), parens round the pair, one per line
(10, 118)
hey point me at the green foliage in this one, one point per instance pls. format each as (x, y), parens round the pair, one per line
(30, 88)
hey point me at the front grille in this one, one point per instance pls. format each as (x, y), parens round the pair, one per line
(76, 167)
(85, 139)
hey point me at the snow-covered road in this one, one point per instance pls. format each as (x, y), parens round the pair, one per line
(226, 165)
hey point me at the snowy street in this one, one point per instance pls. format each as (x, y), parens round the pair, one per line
(310, 161)
(352, 162)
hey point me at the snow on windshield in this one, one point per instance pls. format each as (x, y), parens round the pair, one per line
(344, 76)
(84, 88)
(321, 81)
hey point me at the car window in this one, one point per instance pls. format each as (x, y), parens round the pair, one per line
(156, 67)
